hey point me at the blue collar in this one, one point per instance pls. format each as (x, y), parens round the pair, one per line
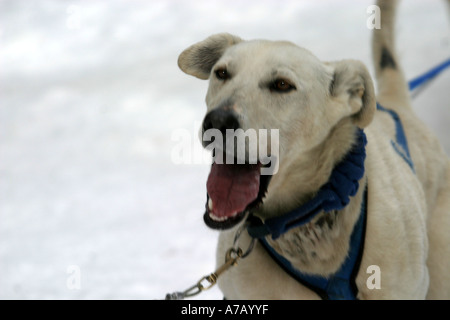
(334, 195)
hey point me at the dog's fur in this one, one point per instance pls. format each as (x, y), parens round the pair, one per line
(408, 217)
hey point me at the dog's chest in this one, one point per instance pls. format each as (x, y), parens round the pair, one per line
(311, 245)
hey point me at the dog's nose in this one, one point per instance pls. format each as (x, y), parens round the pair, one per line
(221, 119)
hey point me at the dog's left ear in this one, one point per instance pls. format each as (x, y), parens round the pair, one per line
(352, 84)
(198, 59)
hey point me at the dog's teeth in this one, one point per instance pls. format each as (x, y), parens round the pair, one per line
(210, 204)
(218, 219)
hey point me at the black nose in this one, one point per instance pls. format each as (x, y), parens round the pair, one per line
(220, 119)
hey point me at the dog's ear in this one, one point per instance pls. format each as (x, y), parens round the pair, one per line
(198, 59)
(352, 84)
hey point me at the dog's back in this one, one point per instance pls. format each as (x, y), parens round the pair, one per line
(431, 165)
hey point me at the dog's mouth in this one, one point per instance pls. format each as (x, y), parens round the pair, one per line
(233, 191)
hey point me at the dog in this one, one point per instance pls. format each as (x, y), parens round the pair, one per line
(322, 109)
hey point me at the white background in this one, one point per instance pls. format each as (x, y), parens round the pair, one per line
(90, 95)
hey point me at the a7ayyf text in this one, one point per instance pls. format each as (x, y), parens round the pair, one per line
(231, 309)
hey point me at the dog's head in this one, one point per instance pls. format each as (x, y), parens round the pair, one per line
(259, 86)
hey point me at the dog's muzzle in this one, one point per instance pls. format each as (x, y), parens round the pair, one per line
(233, 188)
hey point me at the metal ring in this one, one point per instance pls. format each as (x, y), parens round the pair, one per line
(236, 241)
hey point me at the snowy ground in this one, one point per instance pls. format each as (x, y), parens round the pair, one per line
(90, 95)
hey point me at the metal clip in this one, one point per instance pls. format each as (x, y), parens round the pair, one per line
(207, 282)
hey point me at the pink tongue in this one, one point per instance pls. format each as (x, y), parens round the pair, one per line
(232, 187)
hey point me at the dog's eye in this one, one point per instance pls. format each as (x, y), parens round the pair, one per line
(222, 74)
(282, 85)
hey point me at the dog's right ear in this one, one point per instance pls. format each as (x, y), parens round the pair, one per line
(198, 59)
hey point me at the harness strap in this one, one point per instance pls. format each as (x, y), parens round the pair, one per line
(400, 144)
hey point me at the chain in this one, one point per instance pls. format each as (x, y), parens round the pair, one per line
(232, 257)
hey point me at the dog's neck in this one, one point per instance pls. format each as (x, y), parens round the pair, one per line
(320, 246)
(303, 174)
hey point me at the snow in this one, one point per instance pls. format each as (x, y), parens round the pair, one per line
(90, 96)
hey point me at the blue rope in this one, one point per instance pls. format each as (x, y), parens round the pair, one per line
(421, 80)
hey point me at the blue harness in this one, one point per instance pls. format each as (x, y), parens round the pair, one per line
(335, 195)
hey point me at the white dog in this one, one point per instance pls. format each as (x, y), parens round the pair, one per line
(360, 190)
